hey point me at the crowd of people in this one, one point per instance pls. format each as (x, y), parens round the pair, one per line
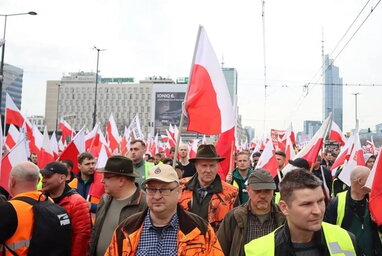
(152, 208)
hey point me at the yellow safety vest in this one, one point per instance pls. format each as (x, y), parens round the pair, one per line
(341, 204)
(337, 239)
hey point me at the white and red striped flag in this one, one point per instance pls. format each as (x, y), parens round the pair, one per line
(112, 134)
(356, 158)
(208, 100)
(18, 154)
(46, 153)
(268, 160)
(12, 137)
(66, 129)
(75, 147)
(336, 134)
(311, 150)
(344, 154)
(54, 144)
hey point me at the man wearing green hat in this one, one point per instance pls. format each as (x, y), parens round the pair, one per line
(122, 199)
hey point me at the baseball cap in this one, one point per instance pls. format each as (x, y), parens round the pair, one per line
(162, 172)
(300, 162)
(261, 179)
(54, 167)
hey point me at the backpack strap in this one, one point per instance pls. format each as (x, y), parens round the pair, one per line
(27, 200)
(119, 234)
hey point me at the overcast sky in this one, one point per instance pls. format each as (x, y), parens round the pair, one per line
(157, 37)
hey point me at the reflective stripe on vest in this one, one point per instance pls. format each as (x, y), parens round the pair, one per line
(18, 245)
(277, 197)
(337, 239)
(341, 204)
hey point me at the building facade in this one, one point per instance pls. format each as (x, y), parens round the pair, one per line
(12, 84)
(311, 127)
(332, 92)
(39, 121)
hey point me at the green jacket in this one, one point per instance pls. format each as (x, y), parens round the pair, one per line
(240, 183)
(232, 233)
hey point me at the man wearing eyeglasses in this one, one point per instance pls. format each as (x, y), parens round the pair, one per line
(164, 228)
(122, 199)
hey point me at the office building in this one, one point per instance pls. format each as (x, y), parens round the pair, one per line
(12, 84)
(332, 92)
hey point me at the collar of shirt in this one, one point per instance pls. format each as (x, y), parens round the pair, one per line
(139, 164)
(174, 222)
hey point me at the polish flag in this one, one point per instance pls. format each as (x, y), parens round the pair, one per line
(12, 113)
(225, 147)
(102, 158)
(268, 160)
(54, 145)
(372, 146)
(154, 146)
(61, 145)
(290, 133)
(46, 153)
(356, 158)
(208, 100)
(193, 148)
(311, 150)
(125, 142)
(75, 147)
(336, 134)
(18, 154)
(92, 138)
(97, 188)
(35, 140)
(112, 134)
(344, 154)
(289, 150)
(12, 137)
(374, 182)
(66, 129)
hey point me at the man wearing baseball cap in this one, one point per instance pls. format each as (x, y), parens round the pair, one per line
(122, 198)
(54, 185)
(163, 228)
(257, 217)
(205, 194)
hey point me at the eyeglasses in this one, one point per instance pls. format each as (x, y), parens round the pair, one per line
(162, 191)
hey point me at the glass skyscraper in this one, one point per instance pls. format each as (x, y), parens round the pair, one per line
(332, 92)
(12, 84)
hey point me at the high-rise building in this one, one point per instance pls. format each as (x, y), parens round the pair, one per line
(12, 84)
(230, 75)
(311, 127)
(332, 92)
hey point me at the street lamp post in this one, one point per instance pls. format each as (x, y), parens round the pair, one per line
(356, 107)
(96, 86)
(3, 48)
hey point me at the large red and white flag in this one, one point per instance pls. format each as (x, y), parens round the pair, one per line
(12, 137)
(125, 142)
(112, 134)
(193, 148)
(18, 154)
(370, 144)
(356, 158)
(311, 150)
(374, 182)
(75, 147)
(46, 153)
(66, 129)
(208, 100)
(268, 160)
(336, 134)
(289, 150)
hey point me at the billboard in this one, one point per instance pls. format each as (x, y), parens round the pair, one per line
(168, 110)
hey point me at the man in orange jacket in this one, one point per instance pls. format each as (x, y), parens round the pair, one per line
(164, 228)
(16, 221)
(205, 194)
(54, 185)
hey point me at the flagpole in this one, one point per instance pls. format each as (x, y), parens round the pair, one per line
(185, 97)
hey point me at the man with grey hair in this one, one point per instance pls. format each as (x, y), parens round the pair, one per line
(350, 210)
(23, 181)
(257, 217)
